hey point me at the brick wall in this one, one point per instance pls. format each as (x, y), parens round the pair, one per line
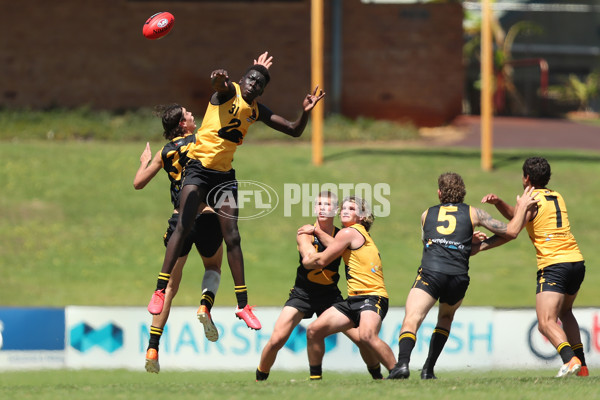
(398, 61)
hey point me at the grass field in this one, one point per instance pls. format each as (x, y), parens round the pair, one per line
(127, 385)
(74, 231)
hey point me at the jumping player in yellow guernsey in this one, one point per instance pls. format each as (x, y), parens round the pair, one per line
(179, 126)
(209, 177)
(560, 265)
(367, 301)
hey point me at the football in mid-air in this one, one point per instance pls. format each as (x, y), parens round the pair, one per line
(158, 25)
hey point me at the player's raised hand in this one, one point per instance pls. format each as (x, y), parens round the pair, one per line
(306, 230)
(265, 60)
(478, 237)
(526, 199)
(146, 155)
(490, 198)
(219, 79)
(311, 100)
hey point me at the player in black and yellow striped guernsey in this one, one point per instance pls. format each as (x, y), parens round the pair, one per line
(314, 291)
(448, 233)
(232, 109)
(179, 126)
(560, 265)
(367, 301)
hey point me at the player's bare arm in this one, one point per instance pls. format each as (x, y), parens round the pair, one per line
(148, 169)
(224, 90)
(488, 244)
(342, 241)
(305, 246)
(146, 155)
(482, 218)
(306, 229)
(324, 236)
(423, 216)
(522, 212)
(504, 208)
(290, 128)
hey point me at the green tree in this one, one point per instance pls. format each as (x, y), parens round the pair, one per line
(504, 86)
(583, 90)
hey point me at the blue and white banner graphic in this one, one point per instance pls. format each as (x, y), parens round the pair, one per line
(117, 337)
(32, 338)
(481, 337)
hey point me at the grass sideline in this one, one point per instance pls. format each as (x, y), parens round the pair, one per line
(129, 385)
(73, 231)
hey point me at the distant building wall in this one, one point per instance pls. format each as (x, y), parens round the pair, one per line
(400, 62)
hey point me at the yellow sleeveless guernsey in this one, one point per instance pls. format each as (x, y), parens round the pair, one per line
(223, 129)
(550, 231)
(364, 273)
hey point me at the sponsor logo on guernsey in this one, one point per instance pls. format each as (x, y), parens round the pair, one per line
(446, 243)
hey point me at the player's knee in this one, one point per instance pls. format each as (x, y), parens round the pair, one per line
(277, 342)
(445, 320)
(233, 239)
(366, 337)
(312, 333)
(543, 326)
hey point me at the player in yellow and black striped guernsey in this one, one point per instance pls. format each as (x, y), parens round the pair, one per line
(367, 301)
(448, 233)
(560, 265)
(232, 109)
(179, 126)
(314, 291)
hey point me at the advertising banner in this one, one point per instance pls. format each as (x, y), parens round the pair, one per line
(32, 338)
(117, 337)
(481, 337)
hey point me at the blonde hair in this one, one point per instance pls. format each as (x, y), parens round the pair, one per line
(366, 217)
(328, 194)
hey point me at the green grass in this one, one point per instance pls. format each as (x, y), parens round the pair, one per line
(134, 125)
(73, 231)
(128, 385)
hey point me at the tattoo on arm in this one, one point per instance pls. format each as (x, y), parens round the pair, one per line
(490, 223)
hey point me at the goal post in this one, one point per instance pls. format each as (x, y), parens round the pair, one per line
(317, 78)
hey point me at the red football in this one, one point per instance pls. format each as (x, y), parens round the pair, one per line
(158, 25)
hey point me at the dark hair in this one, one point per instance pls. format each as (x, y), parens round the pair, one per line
(452, 188)
(171, 115)
(538, 170)
(260, 69)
